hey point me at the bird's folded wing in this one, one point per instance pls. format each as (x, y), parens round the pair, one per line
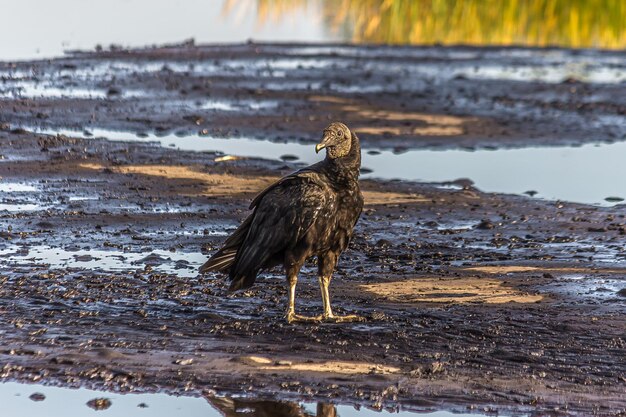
(284, 213)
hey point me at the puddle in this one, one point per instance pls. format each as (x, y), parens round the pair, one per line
(29, 89)
(586, 174)
(262, 66)
(183, 264)
(603, 289)
(84, 198)
(52, 84)
(583, 72)
(584, 69)
(591, 250)
(227, 105)
(17, 207)
(16, 187)
(23, 203)
(35, 400)
(34, 90)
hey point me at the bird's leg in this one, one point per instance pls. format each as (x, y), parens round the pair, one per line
(326, 265)
(324, 283)
(291, 304)
(291, 315)
(328, 315)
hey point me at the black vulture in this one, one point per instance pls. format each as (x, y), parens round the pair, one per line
(311, 212)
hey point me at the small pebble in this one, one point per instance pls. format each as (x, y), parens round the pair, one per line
(37, 396)
(485, 225)
(99, 403)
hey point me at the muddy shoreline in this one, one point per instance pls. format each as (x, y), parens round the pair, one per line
(475, 301)
(396, 97)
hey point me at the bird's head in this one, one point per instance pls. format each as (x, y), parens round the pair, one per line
(337, 140)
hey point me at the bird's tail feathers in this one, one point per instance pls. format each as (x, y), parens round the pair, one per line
(224, 258)
(221, 261)
(249, 261)
(241, 282)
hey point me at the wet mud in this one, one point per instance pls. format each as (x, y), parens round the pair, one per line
(396, 97)
(475, 302)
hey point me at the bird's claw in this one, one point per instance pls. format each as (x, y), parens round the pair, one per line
(297, 318)
(325, 318)
(343, 319)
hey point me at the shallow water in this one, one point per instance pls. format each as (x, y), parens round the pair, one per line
(180, 263)
(19, 197)
(16, 207)
(65, 402)
(29, 89)
(601, 289)
(418, 67)
(586, 174)
(16, 187)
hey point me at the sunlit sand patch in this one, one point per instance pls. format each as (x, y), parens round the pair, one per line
(330, 99)
(398, 116)
(226, 184)
(217, 184)
(512, 269)
(438, 131)
(502, 269)
(424, 131)
(432, 124)
(449, 290)
(338, 367)
(384, 130)
(379, 197)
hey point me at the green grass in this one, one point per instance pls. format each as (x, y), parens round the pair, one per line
(567, 23)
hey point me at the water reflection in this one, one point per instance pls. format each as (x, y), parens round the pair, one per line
(234, 407)
(36, 400)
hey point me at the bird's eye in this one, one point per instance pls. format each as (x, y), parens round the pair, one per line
(340, 134)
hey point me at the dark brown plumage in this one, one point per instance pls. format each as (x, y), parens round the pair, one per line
(311, 212)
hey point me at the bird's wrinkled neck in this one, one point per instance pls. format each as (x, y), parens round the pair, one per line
(347, 168)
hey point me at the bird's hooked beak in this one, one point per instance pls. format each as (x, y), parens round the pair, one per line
(327, 140)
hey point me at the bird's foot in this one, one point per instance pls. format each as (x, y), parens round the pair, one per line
(343, 319)
(297, 318)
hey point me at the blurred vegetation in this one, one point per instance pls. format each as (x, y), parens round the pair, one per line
(567, 23)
